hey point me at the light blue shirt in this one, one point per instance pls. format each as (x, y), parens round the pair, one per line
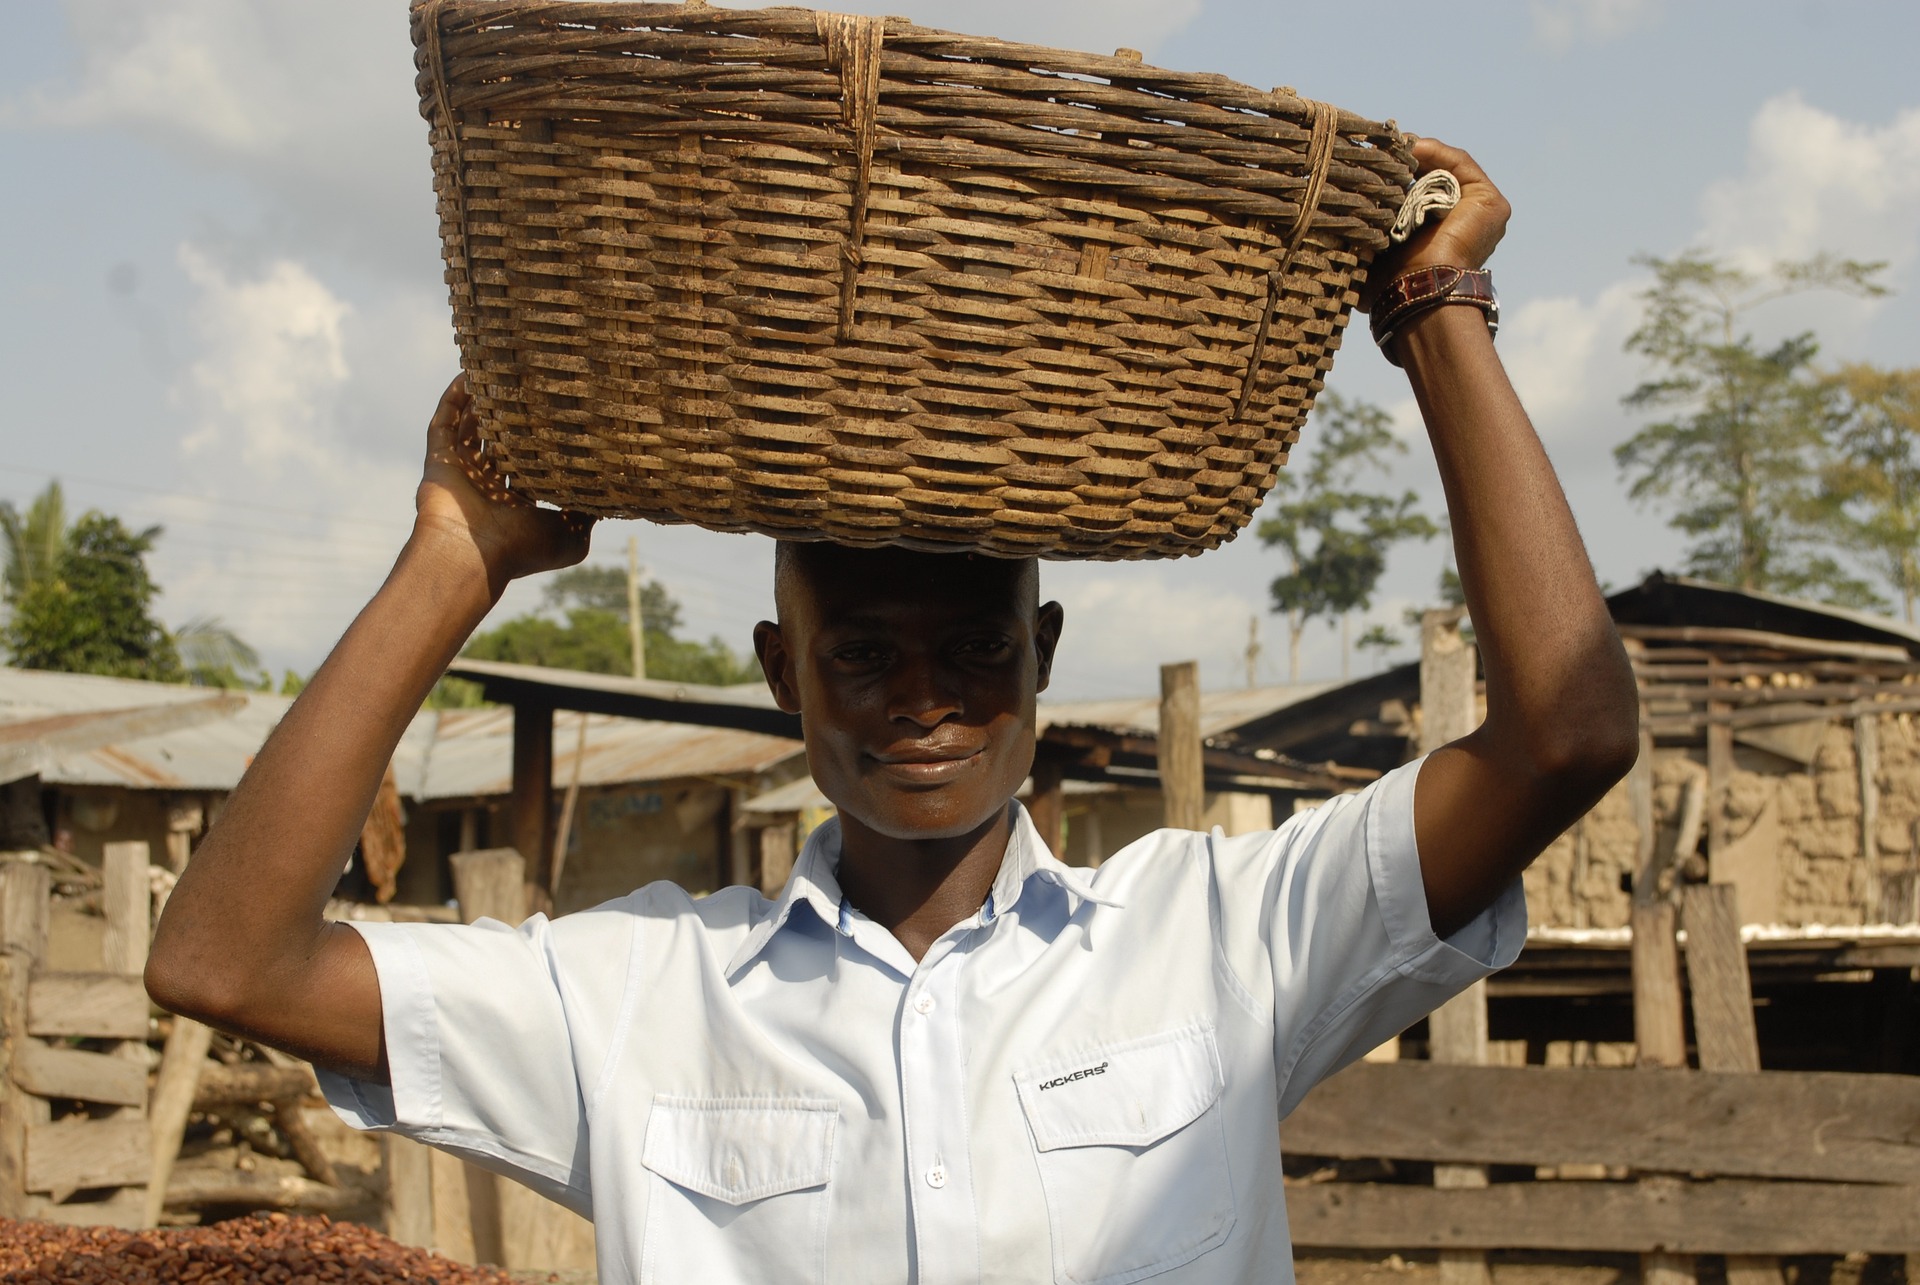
(1080, 1083)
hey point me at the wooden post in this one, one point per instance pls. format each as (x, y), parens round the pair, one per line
(1448, 669)
(509, 1225)
(1866, 744)
(1723, 1026)
(532, 800)
(408, 1201)
(1457, 1031)
(180, 1067)
(1659, 1028)
(565, 834)
(1182, 779)
(127, 897)
(25, 892)
(1046, 804)
(777, 855)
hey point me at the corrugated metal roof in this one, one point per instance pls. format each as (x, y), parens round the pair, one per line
(466, 753)
(1140, 715)
(443, 754)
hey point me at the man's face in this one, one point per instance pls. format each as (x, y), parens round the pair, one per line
(915, 677)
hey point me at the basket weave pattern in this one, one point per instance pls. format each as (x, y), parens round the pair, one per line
(812, 276)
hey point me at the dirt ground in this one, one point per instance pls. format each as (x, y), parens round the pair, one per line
(1584, 1269)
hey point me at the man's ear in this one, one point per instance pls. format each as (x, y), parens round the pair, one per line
(1046, 637)
(771, 648)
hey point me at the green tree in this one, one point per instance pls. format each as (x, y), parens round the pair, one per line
(1336, 534)
(585, 628)
(1872, 482)
(34, 540)
(1735, 452)
(93, 615)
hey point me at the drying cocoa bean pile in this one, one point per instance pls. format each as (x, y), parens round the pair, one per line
(266, 1249)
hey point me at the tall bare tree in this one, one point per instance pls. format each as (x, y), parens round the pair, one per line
(1735, 455)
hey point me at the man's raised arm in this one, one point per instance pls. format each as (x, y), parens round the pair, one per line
(1562, 711)
(243, 945)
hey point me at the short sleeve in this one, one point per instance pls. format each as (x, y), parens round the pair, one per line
(1326, 919)
(481, 1052)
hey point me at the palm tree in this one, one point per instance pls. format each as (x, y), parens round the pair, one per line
(215, 656)
(34, 541)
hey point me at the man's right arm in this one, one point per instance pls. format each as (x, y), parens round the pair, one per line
(244, 945)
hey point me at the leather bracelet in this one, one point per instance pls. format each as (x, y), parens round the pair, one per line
(1412, 293)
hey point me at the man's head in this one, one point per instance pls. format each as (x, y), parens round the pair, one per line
(914, 675)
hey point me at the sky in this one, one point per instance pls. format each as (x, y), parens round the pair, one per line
(221, 305)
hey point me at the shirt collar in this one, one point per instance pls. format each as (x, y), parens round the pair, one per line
(814, 882)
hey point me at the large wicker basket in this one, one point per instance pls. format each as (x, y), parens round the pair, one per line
(849, 278)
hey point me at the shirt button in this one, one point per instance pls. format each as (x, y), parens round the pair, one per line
(923, 1005)
(937, 1176)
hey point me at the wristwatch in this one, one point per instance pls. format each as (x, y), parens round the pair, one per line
(1412, 293)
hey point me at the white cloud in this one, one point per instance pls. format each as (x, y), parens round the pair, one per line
(313, 104)
(289, 525)
(1561, 24)
(1562, 352)
(1816, 182)
(1124, 623)
(272, 358)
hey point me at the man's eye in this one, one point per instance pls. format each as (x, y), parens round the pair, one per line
(985, 648)
(858, 657)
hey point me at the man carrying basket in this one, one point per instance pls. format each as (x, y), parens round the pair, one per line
(940, 1054)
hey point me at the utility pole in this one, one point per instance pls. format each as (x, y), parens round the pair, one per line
(636, 627)
(1253, 651)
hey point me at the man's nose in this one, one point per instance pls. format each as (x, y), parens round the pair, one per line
(922, 693)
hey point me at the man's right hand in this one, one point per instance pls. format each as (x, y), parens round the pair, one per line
(464, 506)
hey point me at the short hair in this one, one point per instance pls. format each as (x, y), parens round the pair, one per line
(798, 560)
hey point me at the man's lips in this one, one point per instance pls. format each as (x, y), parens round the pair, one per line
(926, 765)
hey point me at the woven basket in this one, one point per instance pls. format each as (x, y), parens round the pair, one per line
(849, 278)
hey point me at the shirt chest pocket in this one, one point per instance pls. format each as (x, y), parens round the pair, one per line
(737, 1185)
(1132, 1154)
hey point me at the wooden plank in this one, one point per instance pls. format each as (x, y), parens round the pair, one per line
(1723, 1026)
(99, 1005)
(73, 1153)
(174, 1090)
(1659, 1015)
(1687, 1218)
(1766, 640)
(1182, 771)
(1814, 1126)
(73, 1073)
(124, 1208)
